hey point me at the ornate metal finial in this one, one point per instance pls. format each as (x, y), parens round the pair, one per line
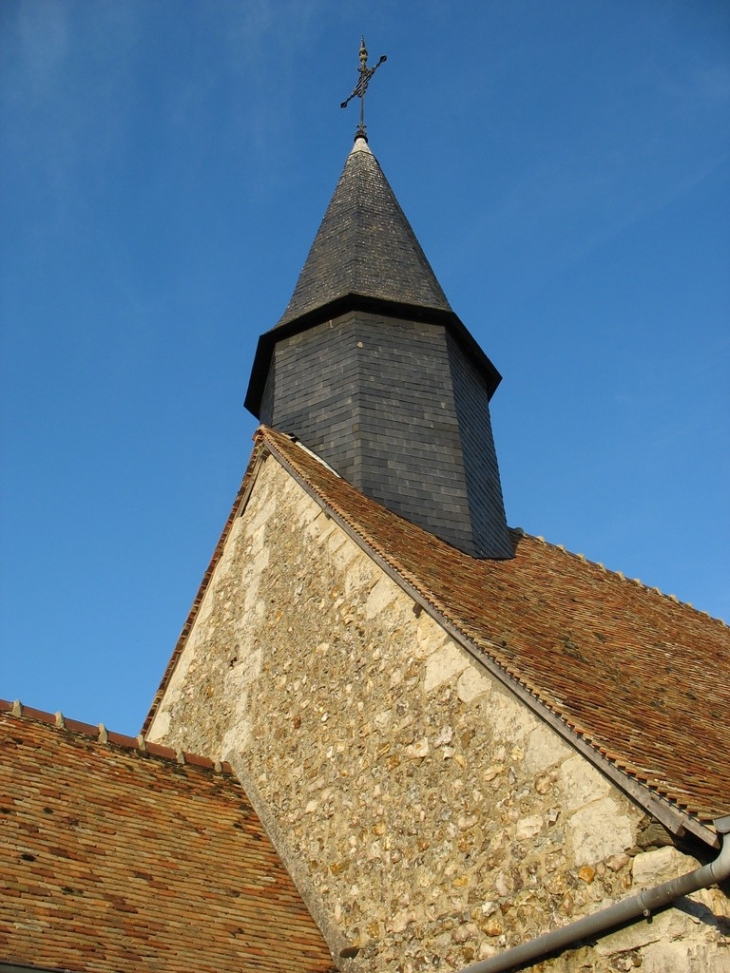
(361, 87)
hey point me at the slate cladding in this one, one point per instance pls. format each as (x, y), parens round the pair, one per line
(389, 404)
(118, 855)
(378, 253)
(372, 370)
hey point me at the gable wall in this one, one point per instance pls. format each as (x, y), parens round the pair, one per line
(434, 816)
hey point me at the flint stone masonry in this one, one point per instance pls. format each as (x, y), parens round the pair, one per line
(433, 818)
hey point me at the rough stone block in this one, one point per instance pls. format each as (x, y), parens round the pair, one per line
(345, 553)
(671, 927)
(660, 865)
(509, 717)
(444, 666)
(429, 636)
(683, 957)
(306, 509)
(599, 831)
(529, 827)
(544, 749)
(473, 683)
(582, 783)
(320, 528)
(383, 594)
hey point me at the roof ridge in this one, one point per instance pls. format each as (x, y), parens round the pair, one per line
(105, 737)
(649, 589)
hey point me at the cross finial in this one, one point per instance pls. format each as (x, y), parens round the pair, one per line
(361, 87)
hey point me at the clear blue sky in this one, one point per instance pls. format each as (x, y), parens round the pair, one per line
(165, 166)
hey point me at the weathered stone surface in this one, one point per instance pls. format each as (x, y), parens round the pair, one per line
(670, 938)
(661, 865)
(472, 684)
(582, 784)
(599, 831)
(682, 957)
(383, 594)
(430, 815)
(544, 749)
(444, 665)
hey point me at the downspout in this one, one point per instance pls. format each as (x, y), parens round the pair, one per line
(644, 904)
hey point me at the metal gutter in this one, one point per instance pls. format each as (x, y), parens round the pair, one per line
(643, 904)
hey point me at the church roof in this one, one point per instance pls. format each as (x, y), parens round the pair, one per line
(121, 858)
(634, 679)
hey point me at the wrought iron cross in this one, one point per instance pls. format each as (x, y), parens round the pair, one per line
(361, 87)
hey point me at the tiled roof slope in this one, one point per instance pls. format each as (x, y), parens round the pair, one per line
(642, 678)
(365, 245)
(113, 858)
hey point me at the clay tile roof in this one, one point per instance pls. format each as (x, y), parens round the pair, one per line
(640, 677)
(116, 857)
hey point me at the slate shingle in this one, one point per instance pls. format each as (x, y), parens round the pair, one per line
(365, 245)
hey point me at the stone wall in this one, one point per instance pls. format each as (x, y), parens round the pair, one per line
(433, 819)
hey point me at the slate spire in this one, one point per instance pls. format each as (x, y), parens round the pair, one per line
(365, 246)
(370, 367)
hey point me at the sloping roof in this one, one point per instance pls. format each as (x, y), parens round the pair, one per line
(115, 858)
(639, 680)
(365, 245)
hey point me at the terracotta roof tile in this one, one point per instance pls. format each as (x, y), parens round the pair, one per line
(116, 857)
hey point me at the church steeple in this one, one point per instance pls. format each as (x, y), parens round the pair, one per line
(370, 367)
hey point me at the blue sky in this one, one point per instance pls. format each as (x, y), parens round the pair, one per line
(165, 166)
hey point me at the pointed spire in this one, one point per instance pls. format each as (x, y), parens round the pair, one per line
(364, 257)
(365, 246)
